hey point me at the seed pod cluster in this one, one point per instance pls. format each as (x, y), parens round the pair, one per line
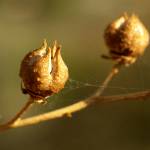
(43, 72)
(126, 39)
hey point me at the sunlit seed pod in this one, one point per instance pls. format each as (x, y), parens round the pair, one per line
(43, 72)
(126, 38)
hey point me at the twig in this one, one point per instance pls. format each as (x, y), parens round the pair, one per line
(27, 105)
(16, 119)
(113, 72)
(66, 111)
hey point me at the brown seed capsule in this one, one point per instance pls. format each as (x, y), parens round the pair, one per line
(43, 72)
(126, 38)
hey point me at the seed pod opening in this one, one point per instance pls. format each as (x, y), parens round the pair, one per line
(126, 38)
(43, 71)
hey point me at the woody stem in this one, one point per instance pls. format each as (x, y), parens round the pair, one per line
(28, 104)
(113, 72)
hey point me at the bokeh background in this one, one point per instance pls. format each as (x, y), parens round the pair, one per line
(78, 25)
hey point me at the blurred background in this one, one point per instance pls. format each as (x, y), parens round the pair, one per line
(78, 25)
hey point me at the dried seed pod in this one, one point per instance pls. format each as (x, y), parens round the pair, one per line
(43, 72)
(126, 38)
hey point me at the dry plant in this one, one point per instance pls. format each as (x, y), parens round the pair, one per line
(43, 71)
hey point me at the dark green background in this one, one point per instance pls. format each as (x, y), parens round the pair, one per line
(78, 25)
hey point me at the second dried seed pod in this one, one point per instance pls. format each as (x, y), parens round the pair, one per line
(126, 38)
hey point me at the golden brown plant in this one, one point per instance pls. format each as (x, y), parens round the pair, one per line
(44, 72)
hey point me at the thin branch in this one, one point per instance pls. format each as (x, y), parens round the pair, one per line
(113, 72)
(69, 110)
(13, 122)
(22, 111)
(27, 105)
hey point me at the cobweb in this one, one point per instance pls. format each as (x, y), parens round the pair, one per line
(75, 84)
(138, 70)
